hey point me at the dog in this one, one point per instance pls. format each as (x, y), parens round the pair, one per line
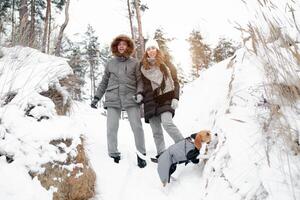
(183, 151)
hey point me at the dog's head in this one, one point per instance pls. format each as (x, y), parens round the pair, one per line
(202, 136)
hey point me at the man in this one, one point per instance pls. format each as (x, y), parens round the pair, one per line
(122, 86)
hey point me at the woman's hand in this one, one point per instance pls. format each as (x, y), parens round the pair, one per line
(138, 98)
(174, 104)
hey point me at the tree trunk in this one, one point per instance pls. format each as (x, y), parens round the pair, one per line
(32, 24)
(46, 28)
(130, 20)
(13, 23)
(49, 33)
(92, 75)
(1, 29)
(138, 17)
(62, 28)
(131, 24)
(23, 12)
(94, 82)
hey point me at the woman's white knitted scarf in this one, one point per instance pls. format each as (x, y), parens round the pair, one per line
(156, 77)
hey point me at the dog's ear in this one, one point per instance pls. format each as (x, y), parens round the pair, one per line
(194, 135)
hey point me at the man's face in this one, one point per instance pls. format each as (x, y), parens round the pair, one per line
(122, 46)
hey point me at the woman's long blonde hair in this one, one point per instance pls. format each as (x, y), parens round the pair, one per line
(159, 62)
(159, 59)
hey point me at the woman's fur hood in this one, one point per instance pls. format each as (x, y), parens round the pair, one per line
(114, 46)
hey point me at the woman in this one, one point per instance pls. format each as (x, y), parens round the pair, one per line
(160, 95)
(120, 83)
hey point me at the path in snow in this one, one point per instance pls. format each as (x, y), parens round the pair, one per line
(126, 180)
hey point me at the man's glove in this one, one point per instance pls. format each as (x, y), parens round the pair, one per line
(94, 102)
(138, 98)
(174, 104)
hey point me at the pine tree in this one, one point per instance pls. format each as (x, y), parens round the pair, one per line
(28, 21)
(67, 47)
(59, 4)
(200, 52)
(105, 55)
(181, 76)
(225, 49)
(91, 48)
(162, 41)
(76, 62)
(4, 13)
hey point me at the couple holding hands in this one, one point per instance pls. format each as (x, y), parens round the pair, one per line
(128, 82)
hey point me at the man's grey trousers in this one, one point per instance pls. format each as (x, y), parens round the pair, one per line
(134, 117)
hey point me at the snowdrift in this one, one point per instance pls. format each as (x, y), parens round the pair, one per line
(41, 152)
(254, 159)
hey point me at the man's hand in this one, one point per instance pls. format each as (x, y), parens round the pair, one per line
(94, 102)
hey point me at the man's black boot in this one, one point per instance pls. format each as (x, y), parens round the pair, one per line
(141, 162)
(116, 158)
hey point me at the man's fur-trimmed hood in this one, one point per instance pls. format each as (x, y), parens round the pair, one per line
(114, 46)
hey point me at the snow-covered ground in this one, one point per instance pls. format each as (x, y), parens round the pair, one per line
(228, 98)
(126, 180)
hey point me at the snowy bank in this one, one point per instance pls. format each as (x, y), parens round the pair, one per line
(252, 160)
(34, 137)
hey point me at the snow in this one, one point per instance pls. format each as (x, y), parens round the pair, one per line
(225, 99)
(27, 72)
(126, 180)
(15, 184)
(250, 161)
(19, 71)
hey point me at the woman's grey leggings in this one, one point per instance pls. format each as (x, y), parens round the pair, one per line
(165, 119)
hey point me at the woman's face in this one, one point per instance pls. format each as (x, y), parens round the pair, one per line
(152, 52)
(122, 46)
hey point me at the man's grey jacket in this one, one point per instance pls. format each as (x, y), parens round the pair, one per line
(120, 82)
